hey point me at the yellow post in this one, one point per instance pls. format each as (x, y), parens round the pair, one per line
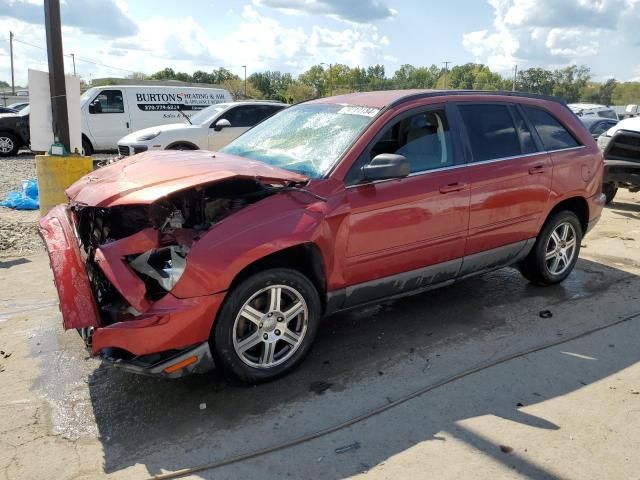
(56, 174)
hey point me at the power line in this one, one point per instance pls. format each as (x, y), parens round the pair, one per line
(80, 59)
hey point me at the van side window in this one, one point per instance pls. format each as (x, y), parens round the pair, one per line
(491, 131)
(108, 101)
(553, 134)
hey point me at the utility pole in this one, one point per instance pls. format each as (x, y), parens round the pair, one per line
(330, 78)
(13, 85)
(245, 81)
(57, 87)
(73, 59)
(446, 73)
(515, 76)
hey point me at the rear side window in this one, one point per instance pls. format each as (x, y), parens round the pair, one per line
(491, 131)
(553, 134)
(526, 139)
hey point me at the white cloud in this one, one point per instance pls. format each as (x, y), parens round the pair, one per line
(552, 32)
(362, 11)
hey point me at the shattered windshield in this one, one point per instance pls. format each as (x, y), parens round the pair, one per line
(307, 139)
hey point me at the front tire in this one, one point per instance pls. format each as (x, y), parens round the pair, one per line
(556, 250)
(266, 326)
(8, 144)
(87, 149)
(609, 189)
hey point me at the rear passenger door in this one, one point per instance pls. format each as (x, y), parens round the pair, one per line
(510, 182)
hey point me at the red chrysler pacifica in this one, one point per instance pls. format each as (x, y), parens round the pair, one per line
(170, 262)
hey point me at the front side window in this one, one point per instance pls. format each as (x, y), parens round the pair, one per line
(491, 131)
(306, 138)
(600, 127)
(245, 116)
(553, 134)
(424, 139)
(108, 101)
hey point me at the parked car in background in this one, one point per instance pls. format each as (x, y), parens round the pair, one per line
(620, 146)
(169, 258)
(8, 110)
(14, 132)
(209, 129)
(110, 113)
(592, 109)
(19, 105)
(597, 125)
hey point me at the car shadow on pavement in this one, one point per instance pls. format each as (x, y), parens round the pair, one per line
(362, 359)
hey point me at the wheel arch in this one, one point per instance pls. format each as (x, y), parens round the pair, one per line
(186, 143)
(577, 205)
(305, 258)
(88, 140)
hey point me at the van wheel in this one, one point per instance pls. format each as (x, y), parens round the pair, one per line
(8, 145)
(87, 149)
(556, 250)
(609, 189)
(266, 325)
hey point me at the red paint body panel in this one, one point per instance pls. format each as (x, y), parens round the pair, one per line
(405, 224)
(148, 176)
(170, 325)
(77, 303)
(362, 233)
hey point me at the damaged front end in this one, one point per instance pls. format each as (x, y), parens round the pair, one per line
(116, 266)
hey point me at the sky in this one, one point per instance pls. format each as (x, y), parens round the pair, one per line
(292, 35)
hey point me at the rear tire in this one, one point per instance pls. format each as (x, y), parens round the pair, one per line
(87, 149)
(266, 325)
(609, 189)
(8, 144)
(556, 250)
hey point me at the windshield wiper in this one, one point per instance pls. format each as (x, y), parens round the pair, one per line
(185, 116)
(294, 188)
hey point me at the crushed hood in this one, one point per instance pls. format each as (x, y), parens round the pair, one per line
(149, 176)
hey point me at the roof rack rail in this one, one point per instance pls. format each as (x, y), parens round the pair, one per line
(440, 93)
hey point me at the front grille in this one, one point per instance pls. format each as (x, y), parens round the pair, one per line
(123, 150)
(625, 145)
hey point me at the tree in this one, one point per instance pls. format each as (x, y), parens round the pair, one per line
(535, 80)
(4, 84)
(315, 78)
(569, 82)
(299, 92)
(235, 87)
(606, 91)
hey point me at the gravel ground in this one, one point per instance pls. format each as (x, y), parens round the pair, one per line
(18, 229)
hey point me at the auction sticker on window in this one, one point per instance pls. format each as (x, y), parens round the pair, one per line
(363, 111)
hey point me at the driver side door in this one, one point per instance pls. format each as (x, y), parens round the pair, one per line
(408, 233)
(241, 119)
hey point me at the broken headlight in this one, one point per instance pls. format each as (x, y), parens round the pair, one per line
(164, 265)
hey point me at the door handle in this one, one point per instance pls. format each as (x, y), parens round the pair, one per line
(537, 169)
(127, 124)
(452, 187)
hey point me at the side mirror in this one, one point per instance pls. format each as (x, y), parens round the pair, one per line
(222, 123)
(92, 107)
(386, 166)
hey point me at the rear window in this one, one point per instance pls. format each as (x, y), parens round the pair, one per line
(553, 134)
(491, 131)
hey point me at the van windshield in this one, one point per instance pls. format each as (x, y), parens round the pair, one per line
(206, 115)
(307, 138)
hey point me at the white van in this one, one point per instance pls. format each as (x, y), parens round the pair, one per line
(111, 112)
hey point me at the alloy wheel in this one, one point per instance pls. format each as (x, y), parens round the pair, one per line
(6, 145)
(270, 326)
(561, 248)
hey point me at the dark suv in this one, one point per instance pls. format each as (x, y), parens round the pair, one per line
(14, 132)
(167, 262)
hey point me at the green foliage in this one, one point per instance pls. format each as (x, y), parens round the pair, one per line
(4, 84)
(573, 83)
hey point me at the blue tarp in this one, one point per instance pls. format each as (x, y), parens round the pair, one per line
(25, 200)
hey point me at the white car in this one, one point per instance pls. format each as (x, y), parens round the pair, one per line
(210, 129)
(592, 109)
